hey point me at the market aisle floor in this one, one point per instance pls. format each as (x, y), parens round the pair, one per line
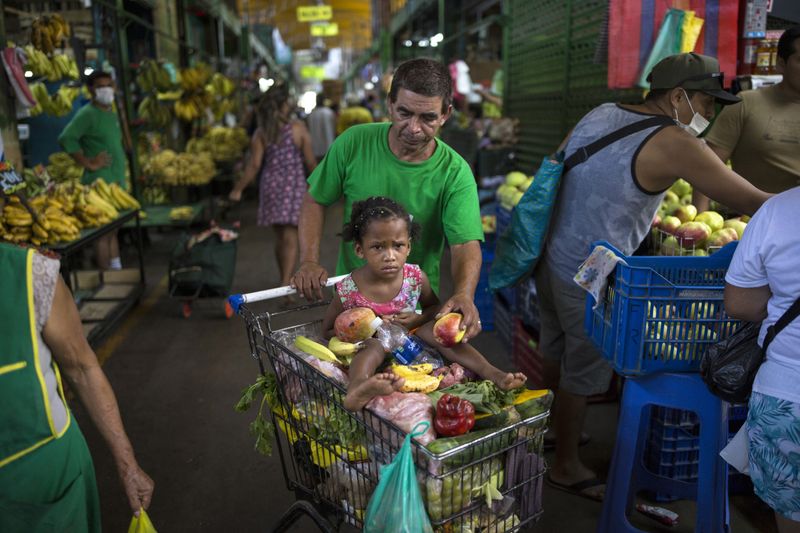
(178, 379)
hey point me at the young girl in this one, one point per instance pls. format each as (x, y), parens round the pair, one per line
(382, 232)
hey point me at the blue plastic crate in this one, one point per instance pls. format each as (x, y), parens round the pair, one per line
(737, 412)
(660, 314)
(484, 299)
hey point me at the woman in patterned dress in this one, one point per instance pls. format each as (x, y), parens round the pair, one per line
(279, 148)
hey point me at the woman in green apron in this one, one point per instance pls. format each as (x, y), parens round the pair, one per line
(47, 478)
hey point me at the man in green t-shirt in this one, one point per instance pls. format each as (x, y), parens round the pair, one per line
(94, 140)
(402, 160)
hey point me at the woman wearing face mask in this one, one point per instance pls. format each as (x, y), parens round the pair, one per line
(94, 140)
(613, 195)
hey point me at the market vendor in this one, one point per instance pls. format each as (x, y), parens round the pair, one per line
(613, 196)
(402, 160)
(47, 480)
(94, 140)
(761, 136)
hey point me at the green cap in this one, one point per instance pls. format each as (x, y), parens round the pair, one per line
(691, 71)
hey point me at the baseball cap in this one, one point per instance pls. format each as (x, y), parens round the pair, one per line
(691, 71)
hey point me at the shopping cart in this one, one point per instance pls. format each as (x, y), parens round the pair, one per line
(202, 266)
(331, 457)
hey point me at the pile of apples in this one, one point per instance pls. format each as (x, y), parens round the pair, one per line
(510, 193)
(687, 232)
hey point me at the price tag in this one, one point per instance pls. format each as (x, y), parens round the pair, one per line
(10, 181)
(312, 13)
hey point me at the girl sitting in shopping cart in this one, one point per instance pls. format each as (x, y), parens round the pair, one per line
(382, 232)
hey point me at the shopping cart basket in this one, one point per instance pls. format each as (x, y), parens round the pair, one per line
(202, 266)
(331, 457)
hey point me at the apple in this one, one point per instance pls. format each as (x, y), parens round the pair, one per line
(737, 225)
(686, 213)
(671, 246)
(447, 330)
(712, 218)
(681, 188)
(699, 252)
(527, 184)
(671, 207)
(722, 237)
(670, 224)
(686, 199)
(516, 197)
(656, 221)
(516, 178)
(693, 234)
(670, 197)
(744, 218)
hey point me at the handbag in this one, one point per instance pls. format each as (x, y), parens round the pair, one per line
(519, 248)
(729, 367)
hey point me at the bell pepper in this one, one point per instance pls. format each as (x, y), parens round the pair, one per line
(454, 416)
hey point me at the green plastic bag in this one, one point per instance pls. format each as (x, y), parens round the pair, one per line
(141, 524)
(668, 42)
(396, 505)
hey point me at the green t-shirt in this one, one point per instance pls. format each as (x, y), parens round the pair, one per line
(94, 130)
(440, 193)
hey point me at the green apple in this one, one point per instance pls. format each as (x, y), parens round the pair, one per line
(681, 188)
(712, 218)
(737, 225)
(516, 178)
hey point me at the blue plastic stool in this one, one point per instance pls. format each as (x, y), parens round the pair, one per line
(628, 474)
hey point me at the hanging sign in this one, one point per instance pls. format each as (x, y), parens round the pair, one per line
(312, 13)
(324, 29)
(312, 71)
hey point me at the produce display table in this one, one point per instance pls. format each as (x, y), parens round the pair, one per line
(103, 297)
(158, 215)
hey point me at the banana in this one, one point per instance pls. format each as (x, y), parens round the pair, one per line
(95, 199)
(315, 349)
(343, 349)
(421, 383)
(127, 200)
(412, 370)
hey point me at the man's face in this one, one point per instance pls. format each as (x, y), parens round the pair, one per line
(416, 119)
(790, 68)
(101, 82)
(701, 103)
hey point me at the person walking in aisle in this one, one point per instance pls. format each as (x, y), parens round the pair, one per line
(322, 125)
(279, 148)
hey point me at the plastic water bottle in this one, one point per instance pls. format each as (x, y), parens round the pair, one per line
(405, 348)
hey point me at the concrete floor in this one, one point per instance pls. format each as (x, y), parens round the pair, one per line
(178, 379)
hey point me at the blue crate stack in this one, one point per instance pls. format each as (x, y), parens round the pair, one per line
(484, 299)
(673, 447)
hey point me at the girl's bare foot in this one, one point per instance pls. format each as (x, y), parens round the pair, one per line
(359, 394)
(508, 380)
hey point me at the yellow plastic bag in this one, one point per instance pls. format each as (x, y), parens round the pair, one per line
(141, 524)
(690, 28)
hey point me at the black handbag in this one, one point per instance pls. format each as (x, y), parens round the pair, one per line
(729, 367)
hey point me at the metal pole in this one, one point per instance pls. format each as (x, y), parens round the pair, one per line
(126, 80)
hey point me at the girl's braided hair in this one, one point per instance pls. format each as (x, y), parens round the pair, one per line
(376, 208)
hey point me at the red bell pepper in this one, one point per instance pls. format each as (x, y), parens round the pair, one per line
(454, 416)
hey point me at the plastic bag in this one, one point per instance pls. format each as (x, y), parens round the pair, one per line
(405, 410)
(396, 505)
(519, 248)
(141, 524)
(668, 42)
(729, 367)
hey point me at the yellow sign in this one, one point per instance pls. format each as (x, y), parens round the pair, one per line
(312, 71)
(312, 13)
(324, 29)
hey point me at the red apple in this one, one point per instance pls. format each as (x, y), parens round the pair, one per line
(693, 234)
(447, 330)
(670, 224)
(722, 237)
(686, 213)
(656, 221)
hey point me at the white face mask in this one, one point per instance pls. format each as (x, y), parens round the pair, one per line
(698, 124)
(104, 95)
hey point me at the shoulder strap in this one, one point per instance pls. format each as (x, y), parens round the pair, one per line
(785, 319)
(585, 152)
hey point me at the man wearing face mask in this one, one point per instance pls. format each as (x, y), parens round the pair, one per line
(94, 139)
(613, 195)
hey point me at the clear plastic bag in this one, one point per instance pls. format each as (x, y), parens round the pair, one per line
(396, 505)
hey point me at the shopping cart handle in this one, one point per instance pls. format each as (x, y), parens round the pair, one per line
(236, 300)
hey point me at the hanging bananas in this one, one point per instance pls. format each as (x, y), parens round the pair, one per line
(154, 113)
(48, 32)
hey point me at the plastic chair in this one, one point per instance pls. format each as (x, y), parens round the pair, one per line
(628, 474)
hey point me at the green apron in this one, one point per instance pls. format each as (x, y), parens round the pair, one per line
(46, 477)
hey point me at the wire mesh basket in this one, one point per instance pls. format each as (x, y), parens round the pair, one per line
(332, 456)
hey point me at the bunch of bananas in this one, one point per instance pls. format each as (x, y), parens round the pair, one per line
(63, 168)
(115, 195)
(59, 105)
(417, 377)
(152, 76)
(51, 224)
(184, 212)
(61, 66)
(224, 144)
(65, 67)
(191, 106)
(220, 86)
(195, 78)
(48, 32)
(155, 195)
(170, 168)
(154, 113)
(222, 106)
